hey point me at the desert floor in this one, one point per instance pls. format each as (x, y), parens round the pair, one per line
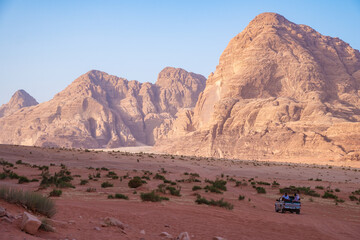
(80, 213)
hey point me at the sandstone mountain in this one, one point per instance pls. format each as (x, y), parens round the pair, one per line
(100, 110)
(19, 100)
(281, 90)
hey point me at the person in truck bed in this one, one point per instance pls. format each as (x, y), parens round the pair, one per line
(285, 197)
(296, 197)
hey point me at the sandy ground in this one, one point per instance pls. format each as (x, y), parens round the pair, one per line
(79, 212)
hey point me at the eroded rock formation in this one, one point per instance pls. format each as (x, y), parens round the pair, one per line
(281, 90)
(100, 110)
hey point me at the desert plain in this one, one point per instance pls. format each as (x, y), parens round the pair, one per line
(80, 213)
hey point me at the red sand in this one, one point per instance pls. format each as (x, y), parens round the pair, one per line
(79, 212)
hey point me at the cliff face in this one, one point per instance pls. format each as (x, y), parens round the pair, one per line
(19, 100)
(281, 90)
(99, 110)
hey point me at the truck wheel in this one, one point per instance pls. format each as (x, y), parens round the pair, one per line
(283, 211)
(298, 211)
(276, 210)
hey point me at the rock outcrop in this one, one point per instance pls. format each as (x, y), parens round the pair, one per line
(281, 90)
(30, 223)
(100, 110)
(19, 100)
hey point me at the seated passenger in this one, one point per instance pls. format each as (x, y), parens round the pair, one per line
(285, 197)
(296, 197)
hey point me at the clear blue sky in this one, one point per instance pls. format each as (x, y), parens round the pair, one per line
(45, 45)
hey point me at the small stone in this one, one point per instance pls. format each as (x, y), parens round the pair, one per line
(71, 222)
(97, 228)
(110, 221)
(166, 225)
(219, 238)
(30, 223)
(165, 234)
(142, 232)
(183, 236)
(2, 211)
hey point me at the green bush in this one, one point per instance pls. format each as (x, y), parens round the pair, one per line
(353, 198)
(106, 184)
(263, 183)
(160, 177)
(260, 190)
(135, 182)
(91, 189)
(212, 202)
(173, 191)
(55, 193)
(241, 197)
(152, 197)
(118, 196)
(23, 179)
(84, 182)
(275, 183)
(61, 179)
(33, 201)
(195, 188)
(329, 195)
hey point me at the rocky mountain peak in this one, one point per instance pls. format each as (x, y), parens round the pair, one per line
(280, 90)
(19, 99)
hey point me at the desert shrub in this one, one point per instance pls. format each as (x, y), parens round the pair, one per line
(145, 177)
(45, 225)
(339, 200)
(84, 182)
(318, 179)
(60, 179)
(241, 197)
(260, 190)
(337, 190)
(19, 162)
(23, 179)
(216, 185)
(106, 184)
(263, 183)
(212, 202)
(194, 175)
(118, 196)
(152, 197)
(319, 187)
(33, 201)
(161, 188)
(212, 189)
(195, 188)
(87, 150)
(329, 195)
(104, 169)
(55, 193)
(353, 198)
(6, 163)
(91, 189)
(174, 191)
(240, 183)
(135, 182)
(275, 183)
(159, 176)
(356, 192)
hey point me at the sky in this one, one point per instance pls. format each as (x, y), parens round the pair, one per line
(45, 45)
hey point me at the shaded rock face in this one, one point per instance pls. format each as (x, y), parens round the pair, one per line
(281, 90)
(19, 100)
(100, 110)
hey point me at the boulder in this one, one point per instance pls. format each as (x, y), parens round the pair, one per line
(30, 223)
(2, 211)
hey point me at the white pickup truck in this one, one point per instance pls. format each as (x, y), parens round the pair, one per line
(287, 205)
